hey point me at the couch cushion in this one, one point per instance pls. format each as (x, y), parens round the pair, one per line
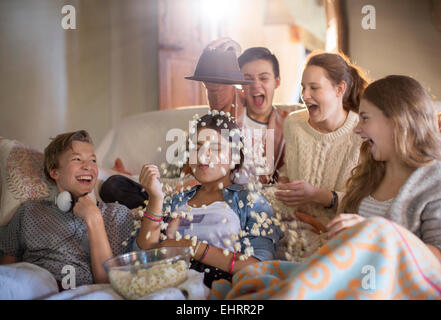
(22, 177)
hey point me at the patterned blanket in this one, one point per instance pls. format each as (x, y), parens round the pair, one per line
(376, 259)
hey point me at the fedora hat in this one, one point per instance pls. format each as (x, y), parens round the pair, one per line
(219, 66)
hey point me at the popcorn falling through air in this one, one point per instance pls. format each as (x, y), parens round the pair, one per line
(263, 225)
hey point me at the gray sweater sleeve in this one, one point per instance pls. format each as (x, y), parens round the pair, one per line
(417, 206)
(431, 224)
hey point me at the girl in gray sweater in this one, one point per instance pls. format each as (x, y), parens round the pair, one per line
(399, 172)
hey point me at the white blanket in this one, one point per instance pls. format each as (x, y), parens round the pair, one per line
(26, 281)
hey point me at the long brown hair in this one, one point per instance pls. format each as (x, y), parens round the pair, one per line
(339, 68)
(417, 140)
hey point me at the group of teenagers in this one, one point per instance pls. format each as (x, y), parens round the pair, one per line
(358, 150)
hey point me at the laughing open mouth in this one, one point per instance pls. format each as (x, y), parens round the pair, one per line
(85, 178)
(258, 100)
(312, 107)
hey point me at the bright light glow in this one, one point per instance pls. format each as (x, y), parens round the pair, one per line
(331, 37)
(215, 11)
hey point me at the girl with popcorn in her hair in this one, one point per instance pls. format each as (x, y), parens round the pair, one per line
(226, 225)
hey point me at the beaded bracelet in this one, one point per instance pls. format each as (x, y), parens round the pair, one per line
(232, 262)
(205, 253)
(151, 218)
(155, 214)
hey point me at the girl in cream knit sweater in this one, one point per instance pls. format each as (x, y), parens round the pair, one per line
(321, 150)
(322, 159)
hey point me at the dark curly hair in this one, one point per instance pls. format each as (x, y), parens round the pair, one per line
(219, 121)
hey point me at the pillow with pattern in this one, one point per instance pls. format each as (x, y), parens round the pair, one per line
(22, 177)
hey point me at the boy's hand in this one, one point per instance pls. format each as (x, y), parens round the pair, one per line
(149, 179)
(224, 44)
(86, 207)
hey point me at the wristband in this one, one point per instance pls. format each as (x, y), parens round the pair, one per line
(205, 253)
(151, 218)
(154, 214)
(334, 200)
(232, 262)
(196, 249)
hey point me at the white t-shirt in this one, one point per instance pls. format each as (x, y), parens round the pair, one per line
(214, 223)
(254, 124)
(258, 132)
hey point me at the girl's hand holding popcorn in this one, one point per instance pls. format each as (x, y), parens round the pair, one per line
(342, 222)
(296, 193)
(149, 179)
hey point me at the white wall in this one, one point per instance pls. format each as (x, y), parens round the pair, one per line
(245, 24)
(111, 63)
(404, 42)
(54, 80)
(33, 84)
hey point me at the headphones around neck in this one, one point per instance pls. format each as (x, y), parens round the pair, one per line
(65, 203)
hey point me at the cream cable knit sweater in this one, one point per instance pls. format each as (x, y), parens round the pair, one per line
(323, 160)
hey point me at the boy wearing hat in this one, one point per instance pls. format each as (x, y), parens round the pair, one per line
(253, 106)
(52, 235)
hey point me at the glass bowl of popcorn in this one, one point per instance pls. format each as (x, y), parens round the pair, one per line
(139, 273)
